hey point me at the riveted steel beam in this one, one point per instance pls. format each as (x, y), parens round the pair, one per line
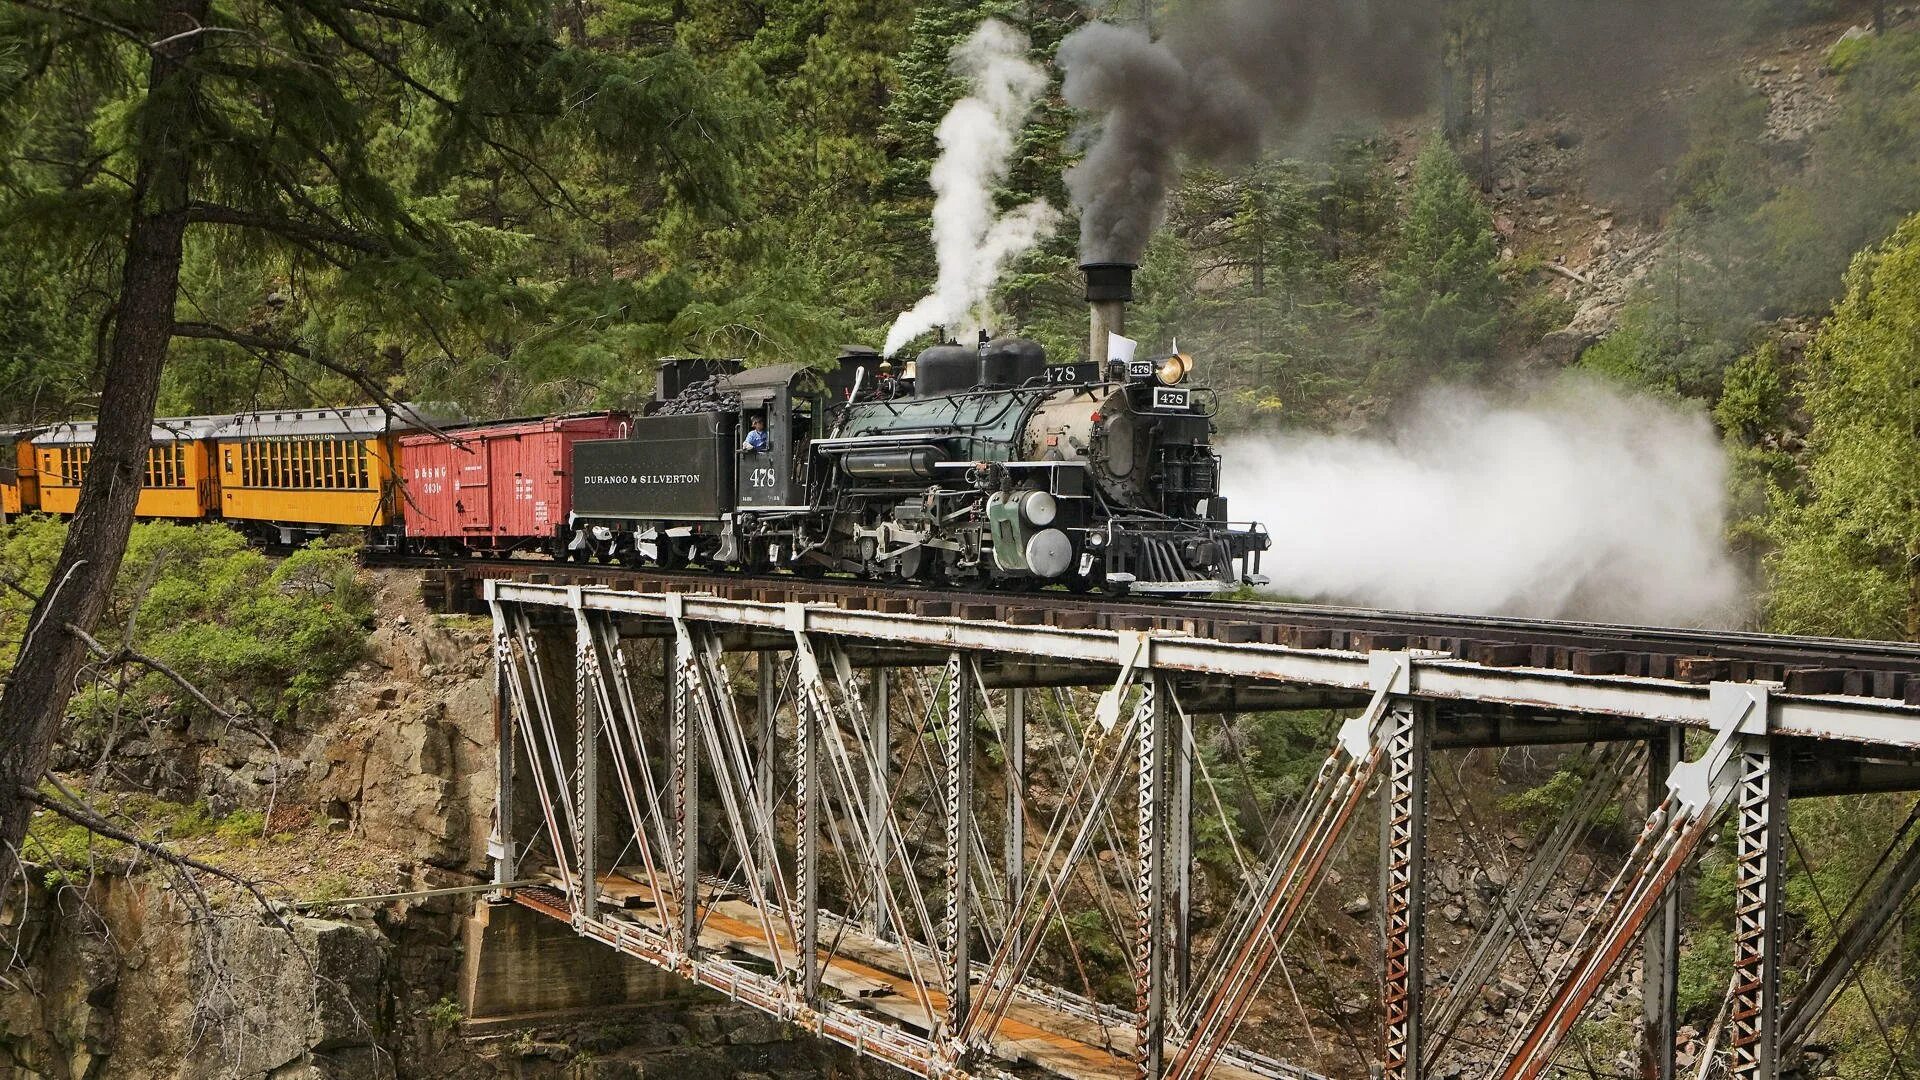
(1403, 826)
(879, 793)
(1150, 910)
(1432, 677)
(956, 742)
(502, 850)
(587, 721)
(1760, 817)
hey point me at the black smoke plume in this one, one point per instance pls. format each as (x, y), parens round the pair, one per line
(1225, 79)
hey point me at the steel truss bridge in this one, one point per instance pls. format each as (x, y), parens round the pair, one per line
(824, 811)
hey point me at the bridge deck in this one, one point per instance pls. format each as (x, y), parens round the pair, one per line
(865, 969)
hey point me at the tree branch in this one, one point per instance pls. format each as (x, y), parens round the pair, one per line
(94, 21)
(384, 11)
(265, 348)
(128, 655)
(83, 816)
(216, 214)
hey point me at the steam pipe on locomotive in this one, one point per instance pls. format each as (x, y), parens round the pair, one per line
(982, 465)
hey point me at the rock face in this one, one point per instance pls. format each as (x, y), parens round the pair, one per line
(139, 988)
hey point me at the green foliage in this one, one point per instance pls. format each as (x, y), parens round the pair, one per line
(1724, 167)
(1846, 555)
(415, 193)
(1539, 807)
(268, 637)
(1754, 238)
(329, 888)
(446, 1014)
(1657, 347)
(1847, 52)
(241, 826)
(1258, 762)
(1442, 296)
(70, 853)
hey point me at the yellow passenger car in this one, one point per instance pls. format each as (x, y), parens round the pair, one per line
(179, 481)
(19, 486)
(300, 473)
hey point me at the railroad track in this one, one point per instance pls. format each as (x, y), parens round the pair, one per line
(1805, 665)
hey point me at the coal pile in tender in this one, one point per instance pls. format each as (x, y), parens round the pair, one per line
(705, 396)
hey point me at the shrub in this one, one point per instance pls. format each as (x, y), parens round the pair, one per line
(256, 635)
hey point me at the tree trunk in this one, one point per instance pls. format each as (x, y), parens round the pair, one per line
(1879, 16)
(51, 657)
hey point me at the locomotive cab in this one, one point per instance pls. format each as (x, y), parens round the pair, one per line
(773, 477)
(685, 485)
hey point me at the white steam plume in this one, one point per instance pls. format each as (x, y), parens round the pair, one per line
(1581, 503)
(972, 243)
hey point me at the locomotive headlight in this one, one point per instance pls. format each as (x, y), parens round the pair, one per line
(1174, 369)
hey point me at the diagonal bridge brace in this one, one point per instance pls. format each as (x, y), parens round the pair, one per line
(1697, 793)
(1252, 946)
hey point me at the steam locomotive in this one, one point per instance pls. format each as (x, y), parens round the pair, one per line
(969, 465)
(979, 465)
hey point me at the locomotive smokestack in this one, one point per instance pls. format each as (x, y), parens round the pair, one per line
(1109, 289)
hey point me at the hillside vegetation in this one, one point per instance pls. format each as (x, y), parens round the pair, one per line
(1670, 199)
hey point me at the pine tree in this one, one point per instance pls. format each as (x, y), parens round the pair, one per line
(331, 139)
(1442, 295)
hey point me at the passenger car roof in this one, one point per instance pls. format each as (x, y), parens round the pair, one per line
(170, 430)
(356, 420)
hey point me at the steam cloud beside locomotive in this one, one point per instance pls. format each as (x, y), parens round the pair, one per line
(982, 465)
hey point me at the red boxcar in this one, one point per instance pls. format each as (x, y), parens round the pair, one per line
(499, 487)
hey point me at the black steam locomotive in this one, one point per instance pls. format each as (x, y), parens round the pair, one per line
(982, 466)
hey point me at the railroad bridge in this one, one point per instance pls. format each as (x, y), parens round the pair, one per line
(879, 873)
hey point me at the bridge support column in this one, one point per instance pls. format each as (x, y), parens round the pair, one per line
(958, 745)
(500, 844)
(587, 719)
(1150, 946)
(1403, 839)
(684, 784)
(879, 794)
(1016, 853)
(1760, 808)
(766, 782)
(1181, 836)
(1660, 951)
(809, 727)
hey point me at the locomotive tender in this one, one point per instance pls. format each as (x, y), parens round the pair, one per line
(979, 465)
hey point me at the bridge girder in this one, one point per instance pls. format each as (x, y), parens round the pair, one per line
(830, 921)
